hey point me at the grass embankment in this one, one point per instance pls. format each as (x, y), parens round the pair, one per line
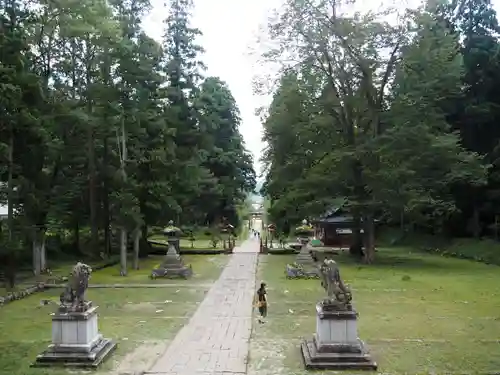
(419, 314)
(484, 250)
(135, 317)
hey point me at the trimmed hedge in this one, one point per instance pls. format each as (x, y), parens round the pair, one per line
(281, 251)
(205, 251)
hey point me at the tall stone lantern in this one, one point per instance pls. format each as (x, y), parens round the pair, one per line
(227, 230)
(172, 265)
(173, 234)
(271, 229)
(304, 266)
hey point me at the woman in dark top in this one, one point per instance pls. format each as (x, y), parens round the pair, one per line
(262, 302)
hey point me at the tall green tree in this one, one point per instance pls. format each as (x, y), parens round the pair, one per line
(474, 113)
(101, 134)
(365, 94)
(227, 160)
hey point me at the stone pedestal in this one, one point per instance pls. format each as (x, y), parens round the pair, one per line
(176, 242)
(304, 257)
(76, 341)
(336, 345)
(172, 266)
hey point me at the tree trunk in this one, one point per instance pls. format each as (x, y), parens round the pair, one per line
(356, 248)
(105, 202)
(123, 229)
(11, 256)
(496, 227)
(144, 231)
(476, 223)
(76, 236)
(137, 238)
(123, 252)
(94, 225)
(10, 186)
(360, 198)
(43, 253)
(36, 255)
(10, 272)
(369, 227)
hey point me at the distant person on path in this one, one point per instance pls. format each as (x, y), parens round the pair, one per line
(261, 302)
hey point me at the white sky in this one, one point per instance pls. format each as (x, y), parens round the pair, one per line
(230, 29)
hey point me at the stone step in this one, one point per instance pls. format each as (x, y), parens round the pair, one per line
(315, 360)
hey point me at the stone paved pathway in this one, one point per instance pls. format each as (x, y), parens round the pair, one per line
(216, 339)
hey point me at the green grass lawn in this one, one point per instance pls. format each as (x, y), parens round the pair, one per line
(206, 269)
(134, 317)
(419, 314)
(130, 316)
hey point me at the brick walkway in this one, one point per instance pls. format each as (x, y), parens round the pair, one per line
(216, 339)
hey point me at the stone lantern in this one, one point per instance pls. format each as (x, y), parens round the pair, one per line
(271, 229)
(227, 230)
(304, 266)
(172, 265)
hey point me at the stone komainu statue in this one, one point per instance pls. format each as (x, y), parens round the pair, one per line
(338, 293)
(74, 293)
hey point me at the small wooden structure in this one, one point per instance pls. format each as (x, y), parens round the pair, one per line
(335, 228)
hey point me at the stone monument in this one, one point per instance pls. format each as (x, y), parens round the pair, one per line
(304, 233)
(76, 341)
(304, 266)
(172, 233)
(336, 345)
(172, 265)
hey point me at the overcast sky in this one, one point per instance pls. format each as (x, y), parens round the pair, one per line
(230, 29)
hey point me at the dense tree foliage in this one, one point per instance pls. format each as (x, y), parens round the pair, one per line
(105, 132)
(398, 120)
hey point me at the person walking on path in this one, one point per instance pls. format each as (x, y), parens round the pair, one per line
(261, 302)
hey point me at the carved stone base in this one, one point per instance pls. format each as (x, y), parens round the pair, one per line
(172, 272)
(292, 272)
(305, 259)
(336, 345)
(63, 309)
(52, 357)
(172, 266)
(76, 341)
(336, 356)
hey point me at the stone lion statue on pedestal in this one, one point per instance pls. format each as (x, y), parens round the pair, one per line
(74, 293)
(339, 295)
